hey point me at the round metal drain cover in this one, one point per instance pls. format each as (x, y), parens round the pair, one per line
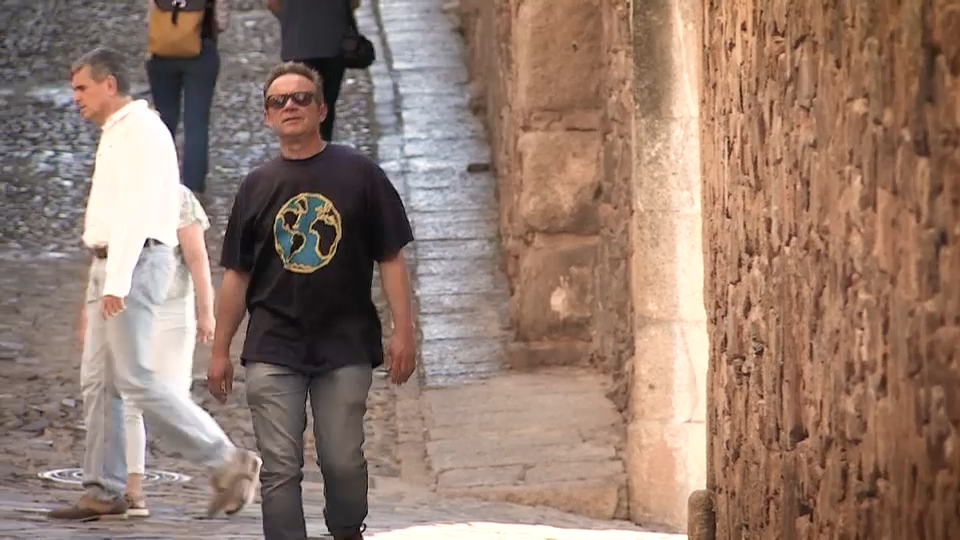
(75, 476)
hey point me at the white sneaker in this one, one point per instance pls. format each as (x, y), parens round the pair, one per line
(235, 483)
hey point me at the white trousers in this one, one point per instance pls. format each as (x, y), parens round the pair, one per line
(174, 340)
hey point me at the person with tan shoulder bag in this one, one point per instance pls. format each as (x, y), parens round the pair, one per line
(183, 66)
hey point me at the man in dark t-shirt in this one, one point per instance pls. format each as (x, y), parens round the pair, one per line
(305, 231)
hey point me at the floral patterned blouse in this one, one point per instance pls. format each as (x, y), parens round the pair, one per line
(190, 212)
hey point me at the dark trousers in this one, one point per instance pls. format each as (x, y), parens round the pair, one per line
(192, 82)
(331, 71)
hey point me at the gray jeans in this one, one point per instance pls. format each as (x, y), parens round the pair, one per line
(116, 363)
(277, 397)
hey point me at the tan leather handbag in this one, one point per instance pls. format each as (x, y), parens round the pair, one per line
(175, 27)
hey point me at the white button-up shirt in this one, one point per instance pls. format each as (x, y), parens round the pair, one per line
(135, 192)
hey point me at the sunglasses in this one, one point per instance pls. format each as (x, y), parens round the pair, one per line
(279, 101)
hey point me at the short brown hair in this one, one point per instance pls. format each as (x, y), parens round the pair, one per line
(295, 68)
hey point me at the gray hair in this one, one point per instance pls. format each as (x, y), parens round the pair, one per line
(105, 62)
(295, 68)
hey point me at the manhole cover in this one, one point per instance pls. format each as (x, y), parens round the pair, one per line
(75, 476)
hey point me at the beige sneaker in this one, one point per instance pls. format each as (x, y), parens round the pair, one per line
(235, 483)
(136, 505)
(90, 509)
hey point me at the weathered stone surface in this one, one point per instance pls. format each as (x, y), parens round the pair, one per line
(562, 158)
(701, 516)
(667, 267)
(669, 372)
(501, 475)
(558, 46)
(490, 428)
(674, 142)
(453, 454)
(397, 512)
(666, 434)
(831, 164)
(598, 499)
(474, 324)
(546, 108)
(663, 461)
(560, 177)
(451, 360)
(550, 353)
(555, 290)
(565, 472)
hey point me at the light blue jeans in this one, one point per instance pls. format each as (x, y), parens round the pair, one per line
(115, 362)
(277, 397)
(174, 340)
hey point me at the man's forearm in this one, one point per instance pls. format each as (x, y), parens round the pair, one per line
(396, 285)
(230, 310)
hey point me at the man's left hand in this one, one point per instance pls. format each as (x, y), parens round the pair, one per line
(401, 356)
(111, 306)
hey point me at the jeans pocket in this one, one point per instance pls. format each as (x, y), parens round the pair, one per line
(152, 278)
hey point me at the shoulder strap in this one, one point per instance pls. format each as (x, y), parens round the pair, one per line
(351, 18)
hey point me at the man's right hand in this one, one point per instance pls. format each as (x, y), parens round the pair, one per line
(220, 376)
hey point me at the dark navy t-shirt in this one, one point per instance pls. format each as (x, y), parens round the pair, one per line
(308, 232)
(312, 29)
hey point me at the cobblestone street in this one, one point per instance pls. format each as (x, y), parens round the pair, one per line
(46, 153)
(46, 169)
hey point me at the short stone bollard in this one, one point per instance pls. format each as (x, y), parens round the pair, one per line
(701, 517)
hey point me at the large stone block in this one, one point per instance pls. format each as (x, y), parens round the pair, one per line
(666, 171)
(597, 498)
(558, 48)
(526, 356)
(665, 464)
(667, 267)
(555, 289)
(669, 372)
(560, 174)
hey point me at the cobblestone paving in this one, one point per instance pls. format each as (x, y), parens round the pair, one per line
(46, 159)
(397, 512)
(47, 156)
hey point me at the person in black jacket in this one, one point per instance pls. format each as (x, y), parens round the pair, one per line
(312, 32)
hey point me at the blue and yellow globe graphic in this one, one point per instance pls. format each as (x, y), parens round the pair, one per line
(306, 232)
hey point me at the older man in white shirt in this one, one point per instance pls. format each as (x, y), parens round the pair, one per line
(131, 227)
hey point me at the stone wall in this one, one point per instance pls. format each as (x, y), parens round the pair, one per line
(832, 229)
(594, 126)
(537, 69)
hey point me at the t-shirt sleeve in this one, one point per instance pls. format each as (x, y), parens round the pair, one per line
(239, 240)
(191, 211)
(389, 229)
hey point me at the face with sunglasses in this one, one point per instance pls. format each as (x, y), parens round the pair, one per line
(293, 107)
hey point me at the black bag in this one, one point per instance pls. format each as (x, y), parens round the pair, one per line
(357, 51)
